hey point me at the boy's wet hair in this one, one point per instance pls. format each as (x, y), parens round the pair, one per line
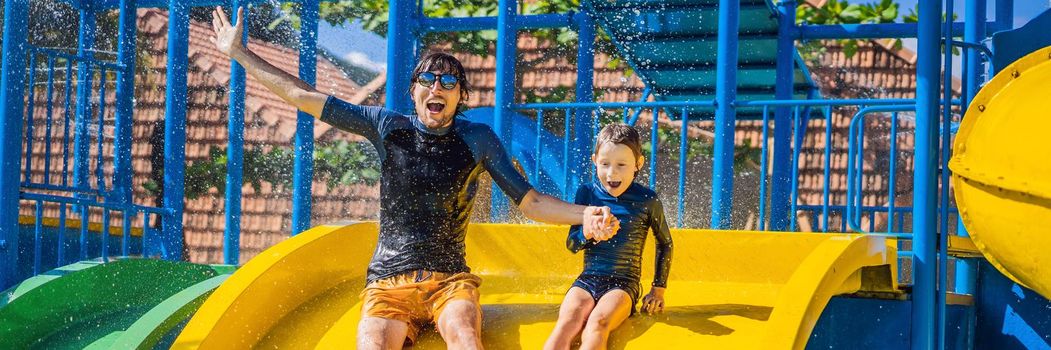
(443, 63)
(620, 133)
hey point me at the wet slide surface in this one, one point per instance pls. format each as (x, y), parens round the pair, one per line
(726, 290)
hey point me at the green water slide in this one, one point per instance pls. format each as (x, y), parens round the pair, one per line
(122, 304)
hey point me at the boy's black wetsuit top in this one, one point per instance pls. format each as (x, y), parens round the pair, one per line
(638, 210)
(429, 179)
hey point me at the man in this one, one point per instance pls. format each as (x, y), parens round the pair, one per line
(430, 166)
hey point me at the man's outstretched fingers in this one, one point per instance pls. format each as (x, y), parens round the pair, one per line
(240, 17)
(221, 17)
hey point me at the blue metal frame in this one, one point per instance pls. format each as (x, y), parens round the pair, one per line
(584, 123)
(303, 172)
(12, 88)
(522, 22)
(82, 142)
(506, 45)
(125, 92)
(855, 164)
(975, 11)
(175, 130)
(943, 163)
(924, 215)
(235, 152)
(781, 180)
(402, 23)
(85, 42)
(725, 114)
(878, 31)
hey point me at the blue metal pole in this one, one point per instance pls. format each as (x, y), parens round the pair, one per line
(66, 113)
(467, 24)
(763, 180)
(585, 93)
(506, 43)
(12, 95)
(781, 182)
(401, 53)
(943, 164)
(654, 147)
(50, 111)
(303, 172)
(924, 210)
(684, 138)
(799, 132)
(827, 187)
(235, 153)
(125, 93)
(568, 119)
(867, 31)
(1005, 15)
(538, 150)
(966, 269)
(175, 130)
(725, 114)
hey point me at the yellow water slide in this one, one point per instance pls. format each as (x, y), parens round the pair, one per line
(727, 290)
(1002, 171)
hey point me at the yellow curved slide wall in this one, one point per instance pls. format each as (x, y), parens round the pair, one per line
(1002, 171)
(727, 290)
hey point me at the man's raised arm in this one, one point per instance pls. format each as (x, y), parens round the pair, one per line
(290, 88)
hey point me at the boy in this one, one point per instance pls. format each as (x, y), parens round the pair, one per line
(608, 289)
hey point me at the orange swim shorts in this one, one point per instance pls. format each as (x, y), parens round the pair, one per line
(418, 297)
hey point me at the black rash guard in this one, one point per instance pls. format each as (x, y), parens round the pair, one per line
(427, 185)
(638, 210)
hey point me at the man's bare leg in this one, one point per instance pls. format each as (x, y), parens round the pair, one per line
(460, 324)
(376, 333)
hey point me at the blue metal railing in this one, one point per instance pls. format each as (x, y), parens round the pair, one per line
(800, 112)
(855, 163)
(570, 111)
(46, 182)
(849, 210)
(85, 209)
(71, 102)
(855, 188)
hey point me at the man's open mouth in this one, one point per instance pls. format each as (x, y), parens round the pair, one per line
(435, 107)
(613, 184)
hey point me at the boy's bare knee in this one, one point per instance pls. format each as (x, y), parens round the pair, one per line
(598, 323)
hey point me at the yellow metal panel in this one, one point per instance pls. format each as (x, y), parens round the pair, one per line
(73, 224)
(1001, 171)
(728, 290)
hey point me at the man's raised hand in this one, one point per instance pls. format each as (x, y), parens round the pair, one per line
(227, 37)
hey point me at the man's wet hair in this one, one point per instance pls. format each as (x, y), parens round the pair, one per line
(443, 63)
(620, 133)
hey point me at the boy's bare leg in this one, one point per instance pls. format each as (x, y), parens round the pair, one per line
(612, 309)
(571, 316)
(460, 324)
(375, 333)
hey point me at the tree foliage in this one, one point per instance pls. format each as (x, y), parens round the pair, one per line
(842, 12)
(338, 163)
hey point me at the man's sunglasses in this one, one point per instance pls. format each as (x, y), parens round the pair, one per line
(427, 79)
